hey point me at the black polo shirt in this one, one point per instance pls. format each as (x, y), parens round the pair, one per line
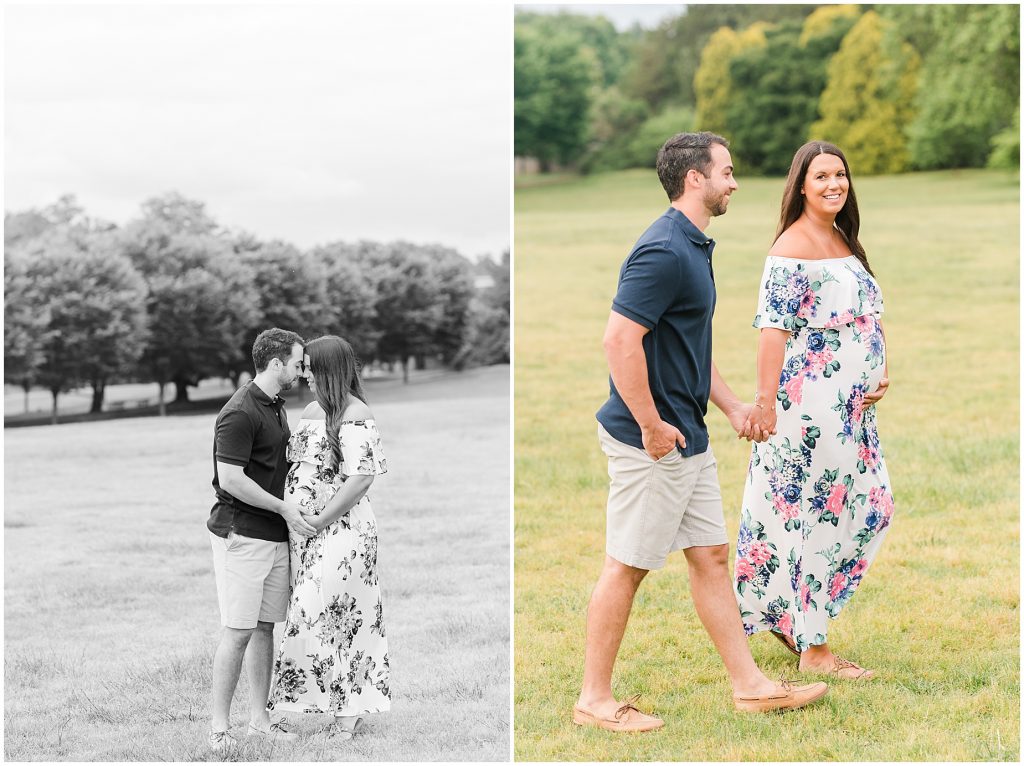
(667, 285)
(252, 431)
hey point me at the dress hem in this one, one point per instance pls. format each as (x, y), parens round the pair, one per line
(291, 708)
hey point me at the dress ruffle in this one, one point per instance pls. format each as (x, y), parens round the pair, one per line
(798, 293)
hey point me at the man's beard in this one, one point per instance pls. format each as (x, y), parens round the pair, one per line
(716, 205)
(286, 384)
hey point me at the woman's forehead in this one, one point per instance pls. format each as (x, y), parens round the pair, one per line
(825, 162)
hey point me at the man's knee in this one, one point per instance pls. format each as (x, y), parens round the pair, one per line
(265, 627)
(616, 570)
(708, 558)
(236, 637)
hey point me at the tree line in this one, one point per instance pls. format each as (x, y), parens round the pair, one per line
(174, 298)
(898, 87)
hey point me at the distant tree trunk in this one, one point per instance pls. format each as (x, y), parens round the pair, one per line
(160, 398)
(53, 416)
(181, 387)
(99, 388)
(405, 369)
(235, 376)
(421, 362)
(26, 385)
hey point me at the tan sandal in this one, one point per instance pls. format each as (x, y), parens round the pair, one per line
(851, 671)
(787, 642)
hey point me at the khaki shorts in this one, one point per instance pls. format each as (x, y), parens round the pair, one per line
(252, 580)
(656, 507)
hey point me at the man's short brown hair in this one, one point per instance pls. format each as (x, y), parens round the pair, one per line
(681, 154)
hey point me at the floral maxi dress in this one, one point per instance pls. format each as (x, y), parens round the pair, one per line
(334, 654)
(817, 501)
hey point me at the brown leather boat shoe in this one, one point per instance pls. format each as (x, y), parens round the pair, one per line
(789, 697)
(628, 718)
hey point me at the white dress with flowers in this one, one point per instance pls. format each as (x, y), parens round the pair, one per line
(817, 500)
(334, 654)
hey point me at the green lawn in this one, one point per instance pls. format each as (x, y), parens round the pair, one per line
(111, 611)
(938, 616)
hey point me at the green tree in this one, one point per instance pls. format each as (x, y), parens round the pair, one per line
(777, 88)
(666, 59)
(712, 83)
(608, 47)
(868, 101)
(553, 85)
(969, 86)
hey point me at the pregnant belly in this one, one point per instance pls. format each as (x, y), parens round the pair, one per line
(845, 355)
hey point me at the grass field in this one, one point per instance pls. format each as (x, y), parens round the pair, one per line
(110, 607)
(938, 616)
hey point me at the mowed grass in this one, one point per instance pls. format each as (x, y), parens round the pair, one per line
(938, 615)
(111, 611)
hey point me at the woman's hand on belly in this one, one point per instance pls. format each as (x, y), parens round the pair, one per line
(874, 396)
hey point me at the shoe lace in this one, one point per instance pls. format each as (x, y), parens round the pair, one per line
(629, 704)
(279, 726)
(786, 685)
(843, 663)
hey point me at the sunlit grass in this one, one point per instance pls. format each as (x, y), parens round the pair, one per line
(937, 617)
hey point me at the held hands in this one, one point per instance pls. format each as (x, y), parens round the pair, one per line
(878, 393)
(661, 438)
(760, 422)
(297, 522)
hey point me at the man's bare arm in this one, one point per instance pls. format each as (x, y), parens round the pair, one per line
(233, 480)
(627, 363)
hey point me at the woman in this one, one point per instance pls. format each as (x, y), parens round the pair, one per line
(334, 655)
(817, 501)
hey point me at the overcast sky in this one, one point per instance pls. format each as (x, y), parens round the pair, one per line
(308, 123)
(622, 15)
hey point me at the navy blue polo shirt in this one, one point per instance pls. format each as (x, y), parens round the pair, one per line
(668, 286)
(252, 432)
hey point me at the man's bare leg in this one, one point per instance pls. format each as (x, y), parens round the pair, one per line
(715, 602)
(227, 666)
(607, 616)
(259, 664)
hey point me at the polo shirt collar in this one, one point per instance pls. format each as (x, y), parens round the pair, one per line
(262, 396)
(692, 232)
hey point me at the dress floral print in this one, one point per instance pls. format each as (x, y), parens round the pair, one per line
(817, 500)
(334, 654)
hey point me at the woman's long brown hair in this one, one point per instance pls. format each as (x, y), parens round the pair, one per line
(336, 370)
(848, 219)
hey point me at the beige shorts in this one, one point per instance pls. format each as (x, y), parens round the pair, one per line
(252, 580)
(656, 507)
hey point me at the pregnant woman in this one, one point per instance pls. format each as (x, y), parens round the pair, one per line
(334, 655)
(817, 501)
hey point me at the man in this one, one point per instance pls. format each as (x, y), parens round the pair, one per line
(664, 494)
(249, 527)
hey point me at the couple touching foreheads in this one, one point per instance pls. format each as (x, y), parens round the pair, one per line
(816, 500)
(295, 540)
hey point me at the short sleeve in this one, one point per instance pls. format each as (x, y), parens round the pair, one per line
(648, 285)
(361, 451)
(234, 438)
(785, 297)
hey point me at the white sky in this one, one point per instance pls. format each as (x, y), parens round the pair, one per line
(622, 15)
(309, 123)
